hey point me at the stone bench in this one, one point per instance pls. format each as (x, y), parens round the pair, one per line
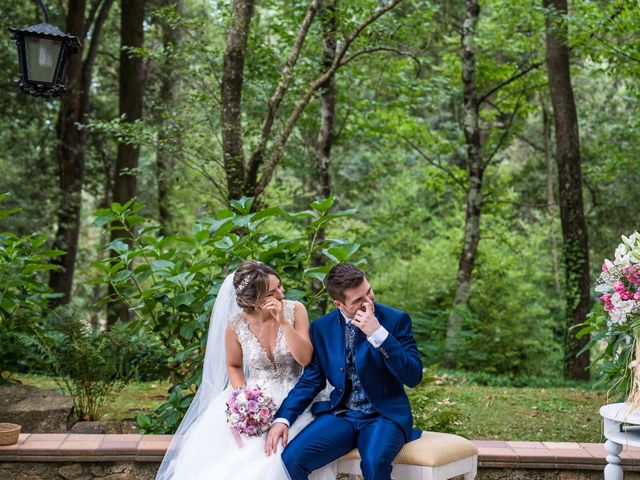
(434, 456)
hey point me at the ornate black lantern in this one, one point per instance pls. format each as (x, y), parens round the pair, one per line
(42, 54)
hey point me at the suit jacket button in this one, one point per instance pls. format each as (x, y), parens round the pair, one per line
(342, 369)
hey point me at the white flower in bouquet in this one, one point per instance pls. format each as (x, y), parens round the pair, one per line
(241, 398)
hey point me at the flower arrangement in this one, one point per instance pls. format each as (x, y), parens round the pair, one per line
(249, 411)
(619, 328)
(620, 281)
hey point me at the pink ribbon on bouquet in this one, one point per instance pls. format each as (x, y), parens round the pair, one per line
(236, 437)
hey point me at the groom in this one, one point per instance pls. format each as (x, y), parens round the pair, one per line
(367, 352)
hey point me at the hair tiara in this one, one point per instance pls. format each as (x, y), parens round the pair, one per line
(243, 283)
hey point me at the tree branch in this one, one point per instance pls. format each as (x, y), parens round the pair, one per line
(617, 51)
(182, 158)
(457, 180)
(504, 134)
(530, 142)
(306, 97)
(367, 51)
(90, 18)
(509, 80)
(92, 53)
(274, 102)
(541, 206)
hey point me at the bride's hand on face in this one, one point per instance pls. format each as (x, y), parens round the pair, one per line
(274, 307)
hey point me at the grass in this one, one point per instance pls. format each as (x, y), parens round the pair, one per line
(134, 398)
(536, 414)
(483, 413)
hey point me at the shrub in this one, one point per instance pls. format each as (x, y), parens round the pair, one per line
(24, 292)
(171, 283)
(91, 366)
(613, 352)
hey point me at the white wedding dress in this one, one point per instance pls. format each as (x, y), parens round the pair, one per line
(209, 451)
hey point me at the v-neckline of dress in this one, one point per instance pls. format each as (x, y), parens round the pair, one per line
(271, 358)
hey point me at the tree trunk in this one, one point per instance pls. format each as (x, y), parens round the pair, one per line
(131, 99)
(574, 231)
(322, 183)
(327, 101)
(551, 202)
(71, 146)
(166, 136)
(231, 96)
(475, 169)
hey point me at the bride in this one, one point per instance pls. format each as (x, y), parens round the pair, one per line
(253, 331)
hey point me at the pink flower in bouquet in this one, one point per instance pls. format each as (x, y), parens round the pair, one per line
(265, 412)
(633, 274)
(252, 406)
(622, 291)
(253, 393)
(606, 299)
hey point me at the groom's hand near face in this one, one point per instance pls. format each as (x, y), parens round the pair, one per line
(278, 430)
(365, 320)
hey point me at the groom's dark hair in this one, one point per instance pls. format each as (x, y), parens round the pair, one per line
(343, 277)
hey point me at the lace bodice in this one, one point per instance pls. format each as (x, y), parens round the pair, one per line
(284, 370)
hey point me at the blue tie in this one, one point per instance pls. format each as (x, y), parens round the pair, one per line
(351, 337)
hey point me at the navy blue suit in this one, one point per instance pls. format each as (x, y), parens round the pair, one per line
(383, 372)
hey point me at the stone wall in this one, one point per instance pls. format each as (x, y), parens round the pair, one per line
(147, 471)
(78, 471)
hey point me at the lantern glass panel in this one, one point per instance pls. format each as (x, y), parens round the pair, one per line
(42, 58)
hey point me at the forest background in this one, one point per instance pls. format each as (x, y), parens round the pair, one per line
(479, 160)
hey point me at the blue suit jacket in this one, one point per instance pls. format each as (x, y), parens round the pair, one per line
(383, 371)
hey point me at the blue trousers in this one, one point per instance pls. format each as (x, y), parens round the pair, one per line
(331, 436)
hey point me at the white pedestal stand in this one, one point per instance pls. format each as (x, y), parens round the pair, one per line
(621, 428)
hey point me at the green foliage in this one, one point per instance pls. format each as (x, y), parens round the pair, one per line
(431, 409)
(171, 283)
(398, 157)
(613, 350)
(24, 293)
(514, 288)
(91, 366)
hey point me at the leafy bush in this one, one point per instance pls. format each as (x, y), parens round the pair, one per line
(430, 410)
(613, 352)
(91, 366)
(24, 291)
(513, 327)
(516, 327)
(171, 283)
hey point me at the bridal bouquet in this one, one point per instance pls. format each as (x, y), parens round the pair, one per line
(619, 284)
(249, 411)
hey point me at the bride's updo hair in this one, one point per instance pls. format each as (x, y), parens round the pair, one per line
(251, 281)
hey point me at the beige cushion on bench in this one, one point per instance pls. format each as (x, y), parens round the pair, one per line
(431, 450)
